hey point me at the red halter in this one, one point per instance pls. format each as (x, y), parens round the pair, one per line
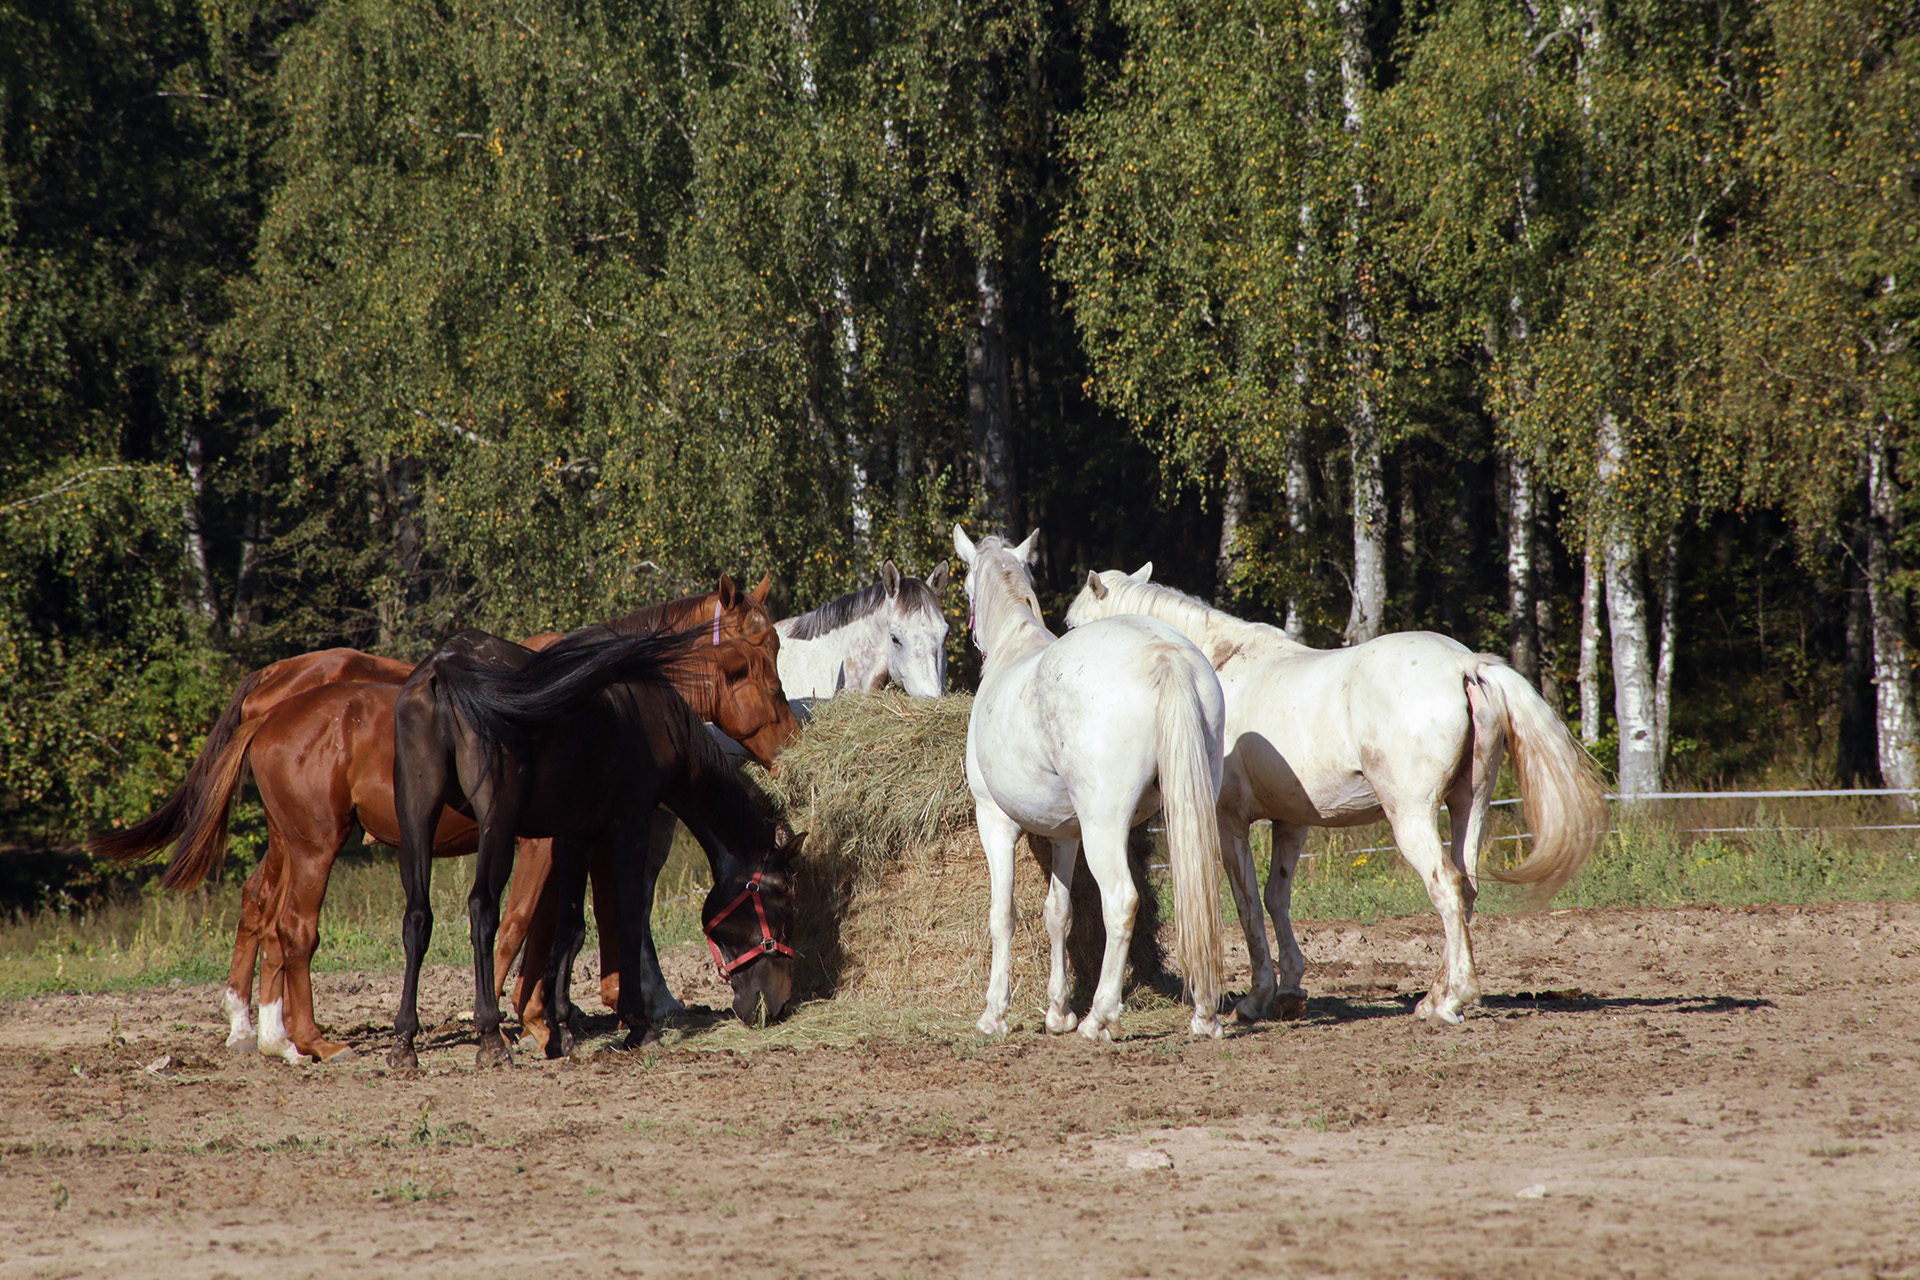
(767, 944)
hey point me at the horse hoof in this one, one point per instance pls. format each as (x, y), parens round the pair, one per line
(1062, 1022)
(493, 1052)
(328, 1051)
(1096, 1031)
(643, 1039)
(1292, 1006)
(403, 1058)
(1204, 1025)
(991, 1025)
(1424, 1009)
(248, 1043)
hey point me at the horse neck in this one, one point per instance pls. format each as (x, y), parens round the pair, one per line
(1201, 623)
(1009, 625)
(860, 643)
(721, 816)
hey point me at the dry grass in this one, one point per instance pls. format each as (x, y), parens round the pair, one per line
(894, 887)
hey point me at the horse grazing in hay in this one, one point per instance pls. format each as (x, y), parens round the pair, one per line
(1395, 727)
(323, 761)
(578, 743)
(195, 815)
(894, 627)
(1079, 738)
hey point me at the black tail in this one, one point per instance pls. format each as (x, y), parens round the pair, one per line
(496, 704)
(186, 810)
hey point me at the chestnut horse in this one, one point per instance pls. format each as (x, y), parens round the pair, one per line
(323, 761)
(197, 810)
(578, 743)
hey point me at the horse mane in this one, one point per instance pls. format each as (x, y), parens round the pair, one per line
(1188, 614)
(1010, 580)
(836, 613)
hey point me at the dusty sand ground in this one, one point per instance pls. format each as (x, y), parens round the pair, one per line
(1649, 1093)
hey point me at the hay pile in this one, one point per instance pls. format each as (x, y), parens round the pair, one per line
(893, 889)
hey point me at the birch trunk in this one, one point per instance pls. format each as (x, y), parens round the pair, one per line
(1894, 719)
(198, 588)
(990, 397)
(1523, 639)
(1367, 616)
(1633, 695)
(1663, 667)
(1299, 521)
(1233, 514)
(1591, 589)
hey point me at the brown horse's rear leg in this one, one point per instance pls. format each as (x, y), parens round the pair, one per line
(538, 898)
(238, 999)
(298, 932)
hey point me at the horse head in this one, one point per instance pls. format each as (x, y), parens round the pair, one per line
(1094, 600)
(991, 549)
(748, 920)
(750, 706)
(916, 631)
(737, 612)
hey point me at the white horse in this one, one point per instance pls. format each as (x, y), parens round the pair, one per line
(894, 627)
(1078, 739)
(1395, 727)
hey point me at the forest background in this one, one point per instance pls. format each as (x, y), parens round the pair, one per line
(1581, 333)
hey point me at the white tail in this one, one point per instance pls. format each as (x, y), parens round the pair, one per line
(1561, 795)
(1189, 789)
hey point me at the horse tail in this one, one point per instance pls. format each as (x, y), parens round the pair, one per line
(184, 810)
(1561, 794)
(557, 679)
(204, 843)
(1189, 790)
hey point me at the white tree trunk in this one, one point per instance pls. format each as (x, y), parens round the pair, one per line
(1299, 521)
(1663, 666)
(1633, 700)
(198, 588)
(1366, 619)
(1523, 646)
(1591, 588)
(1894, 718)
(1233, 514)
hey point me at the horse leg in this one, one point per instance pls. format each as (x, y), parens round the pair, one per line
(299, 933)
(535, 878)
(997, 835)
(524, 892)
(1106, 846)
(1236, 850)
(493, 866)
(254, 897)
(1059, 916)
(566, 929)
(1289, 839)
(1417, 831)
(629, 850)
(422, 779)
(654, 992)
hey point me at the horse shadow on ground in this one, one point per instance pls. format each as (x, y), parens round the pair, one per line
(1332, 1010)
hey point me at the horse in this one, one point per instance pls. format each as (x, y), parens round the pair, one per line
(323, 761)
(202, 801)
(1079, 738)
(578, 743)
(893, 627)
(1392, 728)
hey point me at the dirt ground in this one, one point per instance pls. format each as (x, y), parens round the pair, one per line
(1691, 1092)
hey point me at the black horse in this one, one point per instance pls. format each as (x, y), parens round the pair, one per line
(580, 743)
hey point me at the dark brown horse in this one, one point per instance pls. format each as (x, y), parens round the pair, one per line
(579, 743)
(195, 815)
(323, 761)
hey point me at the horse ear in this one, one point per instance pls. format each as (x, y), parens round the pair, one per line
(1144, 573)
(762, 638)
(890, 574)
(795, 844)
(760, 592)
(1096, 586)
(1025, 550)
(963, 545)
(937, 580)
(729, 593)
